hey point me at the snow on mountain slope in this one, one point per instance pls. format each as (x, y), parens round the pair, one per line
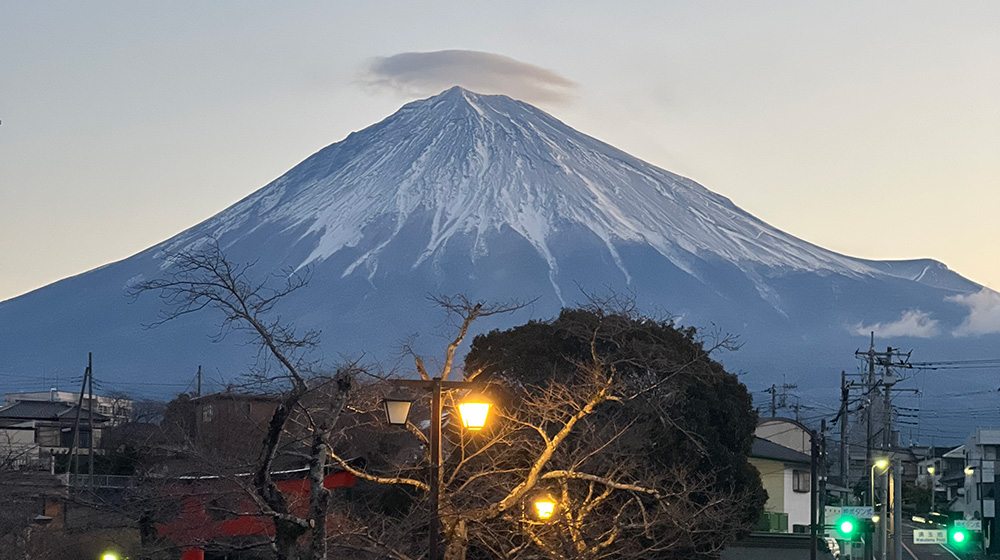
(479, 163)
(495, 199)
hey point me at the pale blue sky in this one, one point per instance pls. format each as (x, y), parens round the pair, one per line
(870, 128)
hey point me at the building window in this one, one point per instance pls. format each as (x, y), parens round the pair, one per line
(800, 481)
(48, 437)
(206, 413)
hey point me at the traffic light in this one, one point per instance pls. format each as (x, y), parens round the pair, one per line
(958, 537)
(847, 527)
(850, 528)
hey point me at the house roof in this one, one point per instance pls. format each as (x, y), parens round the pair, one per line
(44, 410)
(764, 449)
(957, 453)
(782, 420)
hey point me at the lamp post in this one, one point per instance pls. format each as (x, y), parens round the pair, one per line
(884, 465)
(473, 413)
(930, 471)
(969, 471)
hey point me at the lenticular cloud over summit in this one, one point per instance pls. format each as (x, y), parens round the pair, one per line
(422, 73)
(495, 199)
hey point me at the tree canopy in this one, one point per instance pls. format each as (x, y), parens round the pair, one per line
(678, 418)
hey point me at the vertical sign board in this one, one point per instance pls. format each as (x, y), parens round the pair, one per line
(930, 536)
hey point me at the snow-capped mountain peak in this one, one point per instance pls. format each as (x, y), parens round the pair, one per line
(480, 163)
(488, 197)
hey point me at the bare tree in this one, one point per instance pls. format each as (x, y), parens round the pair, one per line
(206, 279)
(578, 429)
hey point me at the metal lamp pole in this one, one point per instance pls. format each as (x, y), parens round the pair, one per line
(435, 387)
(930, 471)
(881, 464)
(978, 486)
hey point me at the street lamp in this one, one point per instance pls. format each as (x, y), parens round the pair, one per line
(473, 413)
(883, 465)
(396, 410)
(930, 471)
(969, 471)
(545, 507)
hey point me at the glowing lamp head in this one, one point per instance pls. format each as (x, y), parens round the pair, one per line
(875, 518)
(969, 470)
(109, 556)
(474, 412)
(930, 470)
(882, 463)
(545, 507)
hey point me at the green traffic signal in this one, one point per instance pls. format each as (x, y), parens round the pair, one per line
(958, 537)
(846, 526)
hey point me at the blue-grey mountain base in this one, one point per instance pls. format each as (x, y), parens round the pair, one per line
(490, 197)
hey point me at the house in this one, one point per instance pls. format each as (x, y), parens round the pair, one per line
(944, 467)
(32, 433)
(117, 408)
(979, 497)
(785, 474)
(785, 432)
(232, 424)
(783, 530)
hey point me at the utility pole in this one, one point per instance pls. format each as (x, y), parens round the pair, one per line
(844, 394)
(887, 383)
(783, 402)
(822, 473)
(891, 489)
(869, 382)
(72, 462)
(90, 419)
(813, 502)
(199, 381)
(869, 387)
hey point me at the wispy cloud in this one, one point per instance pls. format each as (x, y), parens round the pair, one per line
(914, 323)
(984, 313)
(427, 73)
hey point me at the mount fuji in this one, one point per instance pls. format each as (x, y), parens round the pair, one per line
(486, 196)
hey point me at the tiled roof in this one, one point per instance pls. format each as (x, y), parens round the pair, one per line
(43, 410)
(764, 449)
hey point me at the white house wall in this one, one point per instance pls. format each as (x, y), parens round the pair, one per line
(796, 503)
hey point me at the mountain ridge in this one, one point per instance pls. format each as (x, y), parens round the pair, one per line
(488, 128)
(496, 199)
